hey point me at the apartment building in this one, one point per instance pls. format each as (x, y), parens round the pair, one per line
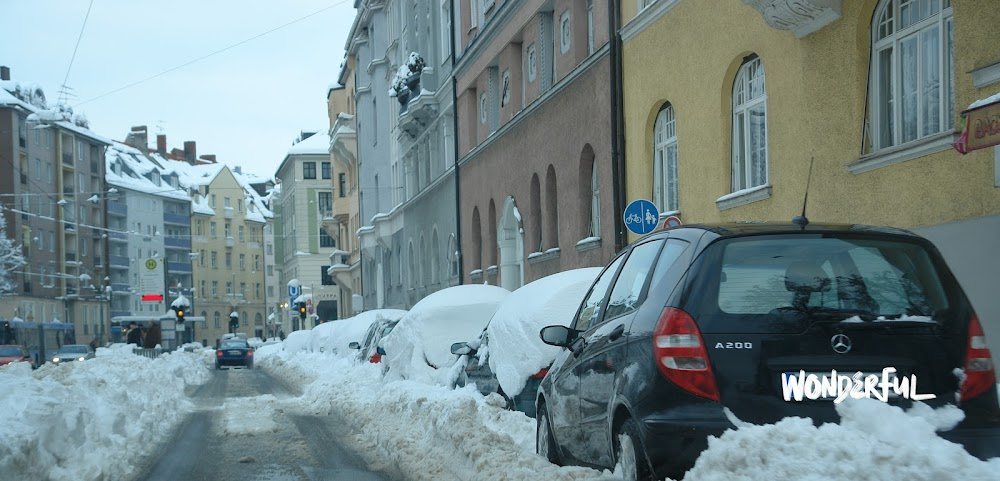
(54, 203)
(306, 197)
(534, 138)
(868, 96)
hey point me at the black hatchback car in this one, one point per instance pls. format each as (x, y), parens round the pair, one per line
(686, 322)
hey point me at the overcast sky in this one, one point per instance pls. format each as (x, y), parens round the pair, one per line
(246, 104)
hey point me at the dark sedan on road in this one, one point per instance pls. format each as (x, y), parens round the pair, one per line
(73, 352)
(690, 322)
(234, 352)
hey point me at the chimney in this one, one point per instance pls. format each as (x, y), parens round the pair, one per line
(4, 72)
(190, 150)
(137, 138)
(161, 144)
(208, 158)
(238, 170)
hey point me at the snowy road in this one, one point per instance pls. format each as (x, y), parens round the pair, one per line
(240, 430)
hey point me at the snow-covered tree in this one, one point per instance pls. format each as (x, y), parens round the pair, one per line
(10, 258)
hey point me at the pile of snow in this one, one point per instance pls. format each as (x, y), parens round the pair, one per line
(79, 420)
(336, 336)
(874, 441)
(419, 347)
(516, 350)
(298, 341)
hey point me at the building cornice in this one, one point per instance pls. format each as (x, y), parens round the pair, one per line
(484, 39)
(647, 17)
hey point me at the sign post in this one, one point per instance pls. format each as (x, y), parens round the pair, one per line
(151, 282)
(641, 217)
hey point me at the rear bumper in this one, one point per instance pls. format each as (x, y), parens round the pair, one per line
(234, 362)
(982, 442)
(674, 441)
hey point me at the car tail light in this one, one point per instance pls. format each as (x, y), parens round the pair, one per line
(375, 359)
(218, 353)
(681, 356)
(250, 353)
(979, 373)
(540, 374)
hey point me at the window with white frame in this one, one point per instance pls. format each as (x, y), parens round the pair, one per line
(665, 160)
(532, 63)
(483, 104)
(913, 71)
(590, 27)
(749, 166)
(595, 202)
(564, 32)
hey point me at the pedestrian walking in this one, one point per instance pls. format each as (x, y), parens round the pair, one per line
(152, 335)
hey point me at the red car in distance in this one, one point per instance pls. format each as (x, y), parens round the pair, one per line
(14, 353)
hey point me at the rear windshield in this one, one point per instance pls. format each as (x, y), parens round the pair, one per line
(860, 276)
(10, 352)
(234, 344)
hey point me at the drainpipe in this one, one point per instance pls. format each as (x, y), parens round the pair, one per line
(617, 125)
(454, 136)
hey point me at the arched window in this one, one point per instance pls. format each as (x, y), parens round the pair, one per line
(589, 197)
(492, 248)
(913, 71)
(551, 209)
(412, 267)
(665, 160)
(477, 240)
(217, 319)
(435, 256)
(535, 239)
(749, 167)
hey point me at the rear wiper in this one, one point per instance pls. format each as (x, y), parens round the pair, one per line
(881, 322)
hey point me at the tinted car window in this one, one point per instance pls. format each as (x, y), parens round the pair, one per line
(672, 251)
(10, 351)
(626, 295)
(234, 344)
(591, 309)
(873, 277)
(74, 349)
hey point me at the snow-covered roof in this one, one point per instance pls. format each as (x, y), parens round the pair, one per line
(128, 168)
(12, 92)
(318, 144)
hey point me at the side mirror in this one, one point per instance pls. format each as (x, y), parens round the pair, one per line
(461, 349)
(354, 345)
(556, 335)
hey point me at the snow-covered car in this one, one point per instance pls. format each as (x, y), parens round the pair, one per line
(336, 337)
(369, 347)
(419, 346)
(508, 357)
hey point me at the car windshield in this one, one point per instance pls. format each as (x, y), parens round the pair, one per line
(74, 349)
(869, 277)
(8, 351)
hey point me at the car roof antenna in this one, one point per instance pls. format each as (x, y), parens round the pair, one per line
(801, 220)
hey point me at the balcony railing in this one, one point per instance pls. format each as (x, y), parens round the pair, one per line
(117, 208)
(118, 236)
(71, 256)
(119, 261)
(175, 243)
(177, 219)
(67, 159)
(230, 241)
(227, 212)
(179, 267)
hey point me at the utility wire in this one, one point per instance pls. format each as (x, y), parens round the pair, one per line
(78, 38)
(203, 57)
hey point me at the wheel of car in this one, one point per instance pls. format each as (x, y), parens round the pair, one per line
(545, 446)
(629, 452)
(250, 365)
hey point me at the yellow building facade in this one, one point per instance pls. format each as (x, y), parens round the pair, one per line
(870, 92)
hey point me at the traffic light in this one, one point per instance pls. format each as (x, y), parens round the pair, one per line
(302, 310)
(179, 312)
(234, 324)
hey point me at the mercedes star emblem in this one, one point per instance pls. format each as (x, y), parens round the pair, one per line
(841, 343)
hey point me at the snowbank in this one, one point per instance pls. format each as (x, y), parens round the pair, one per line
(76, 422)
(516, 351)
(420, 344)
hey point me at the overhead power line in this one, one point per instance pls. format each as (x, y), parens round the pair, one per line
(63, 92)
(203, 57)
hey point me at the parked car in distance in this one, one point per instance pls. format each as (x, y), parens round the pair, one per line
(73, 352)
(508, 358)
(10, 353)
(694, 320)
(234, 351)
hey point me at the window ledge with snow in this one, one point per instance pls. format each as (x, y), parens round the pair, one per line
(491, 271)
(587, 244)
(476, 274)
(902, 153)
(537, 257)
(743, 197)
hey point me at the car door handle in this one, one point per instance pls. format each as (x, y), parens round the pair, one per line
(616, 333)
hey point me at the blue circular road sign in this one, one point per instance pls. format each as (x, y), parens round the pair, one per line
(641, 217)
